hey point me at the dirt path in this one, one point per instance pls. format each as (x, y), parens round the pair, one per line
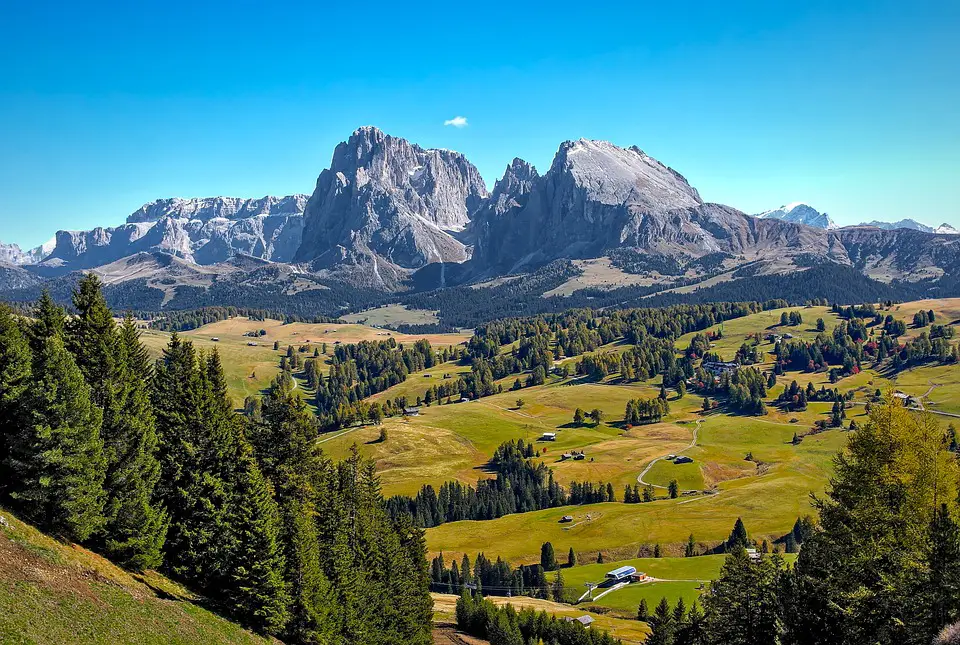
(693, 444)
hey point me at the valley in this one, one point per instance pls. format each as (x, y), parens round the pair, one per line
(746, 467)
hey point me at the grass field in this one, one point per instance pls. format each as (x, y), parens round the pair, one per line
(393, 315)
(249, 369)
(456, 441)
(769, 498)
(674, 578)
(51, 592)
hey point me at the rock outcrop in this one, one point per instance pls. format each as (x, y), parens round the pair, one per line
(597, 196)
(203, 231)
(389, 206)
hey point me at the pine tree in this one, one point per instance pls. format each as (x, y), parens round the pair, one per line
(690, 549)
(283, 443)
(136, 526)
(939, 593)
(91, 336)
(643, 613)
(664, 627)
(196, 460)
(15, 361)
(738, 537)
(571, 558)
(856, 577)
(556, 589)
(254, 589)
(547, 558)
(56, 458)
(674, 489)
(742, 606)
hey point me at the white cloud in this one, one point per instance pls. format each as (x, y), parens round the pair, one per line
(457, 122)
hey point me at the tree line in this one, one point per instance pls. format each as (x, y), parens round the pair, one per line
(505, 626)
(149, 464)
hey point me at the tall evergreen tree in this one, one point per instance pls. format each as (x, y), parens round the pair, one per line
(741, 607)
(255, 590)
(56, 459)
(283, 441)
(14, 380)
(196, 460)
(92, 339)
(136, 526)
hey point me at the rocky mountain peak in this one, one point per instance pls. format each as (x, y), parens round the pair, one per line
(517, 179)
(610, 174)
(384, 197)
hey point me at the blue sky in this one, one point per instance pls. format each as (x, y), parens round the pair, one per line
(850, 106)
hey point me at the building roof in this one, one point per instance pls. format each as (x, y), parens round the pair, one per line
(621, 572)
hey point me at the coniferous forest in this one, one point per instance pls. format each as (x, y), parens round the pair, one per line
(148, 464)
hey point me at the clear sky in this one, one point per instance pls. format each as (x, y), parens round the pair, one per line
(850, 106)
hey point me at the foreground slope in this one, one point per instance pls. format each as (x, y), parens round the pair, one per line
(51, 592)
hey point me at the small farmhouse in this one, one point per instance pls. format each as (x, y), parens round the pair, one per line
(411, 412)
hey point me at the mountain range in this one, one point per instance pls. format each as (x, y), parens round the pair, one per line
(391, 217)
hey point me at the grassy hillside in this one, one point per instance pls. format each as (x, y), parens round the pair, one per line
(672, 578)
(250, 368)
(52, 592)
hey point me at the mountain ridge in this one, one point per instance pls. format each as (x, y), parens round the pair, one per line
(389, 216)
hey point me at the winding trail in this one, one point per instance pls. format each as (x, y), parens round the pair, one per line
(693, 444)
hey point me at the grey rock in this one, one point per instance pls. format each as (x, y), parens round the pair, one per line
(203, 231)
(597, 196)
(390, 206)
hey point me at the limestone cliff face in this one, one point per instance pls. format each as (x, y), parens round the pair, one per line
(387, 208)
(203, 231)
(385, 202)
(597, 196)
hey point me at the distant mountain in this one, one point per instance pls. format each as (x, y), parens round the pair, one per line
(597, 197)
(800, 213)
(203, 231)
(943, 229)
(389, 217)
(385, 206)
(12, 254)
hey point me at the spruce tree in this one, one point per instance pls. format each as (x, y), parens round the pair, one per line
(254, 588)
(196, 460)
(283, 441)
(742, 606)
(664, 627)
(56, 458)
(548, 559)
(91, 336)
(14, 380)
(136, 526)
